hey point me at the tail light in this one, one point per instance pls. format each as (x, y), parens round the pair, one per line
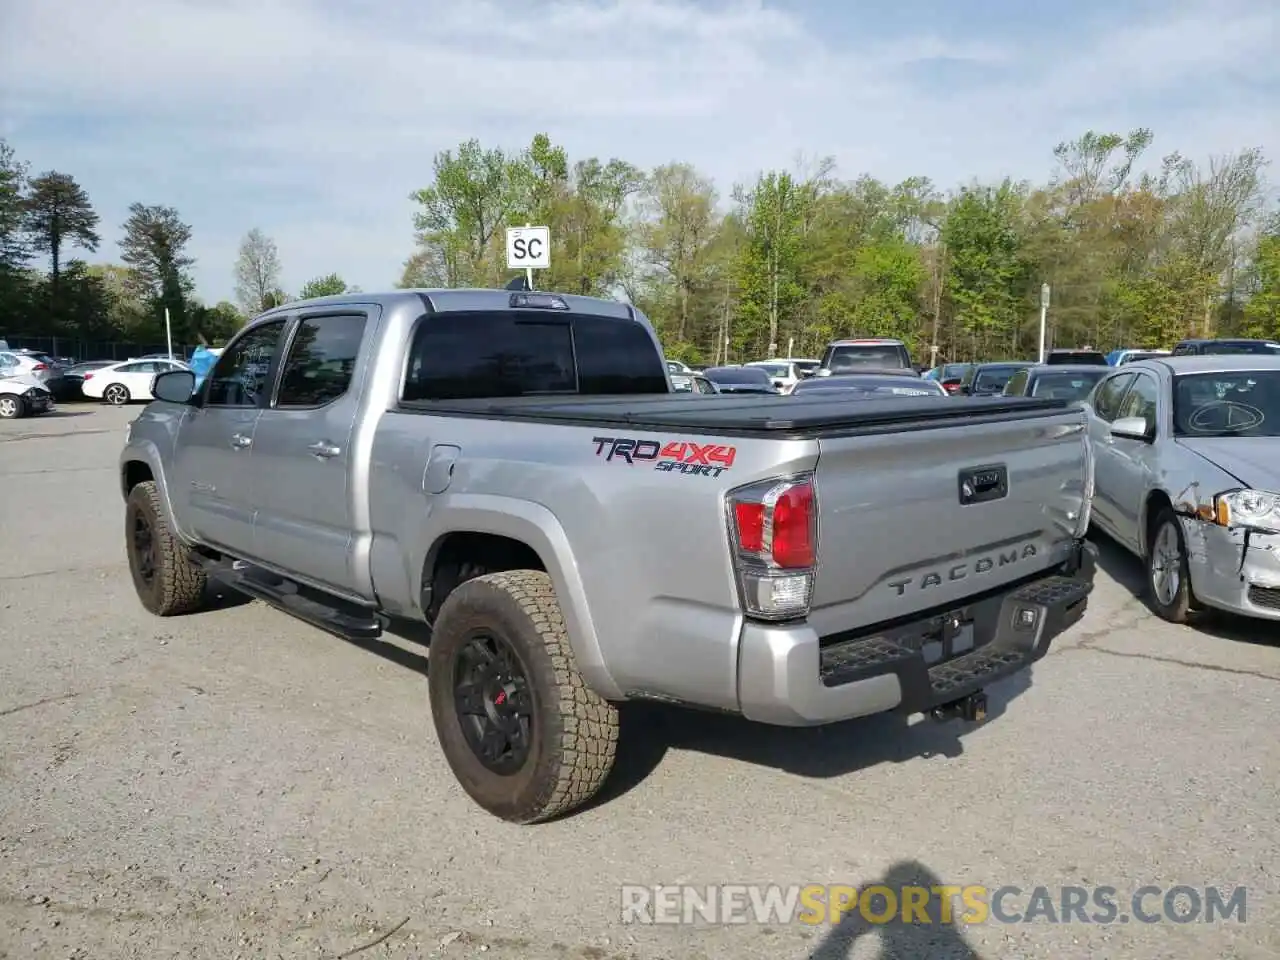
(773, 532)
(39, 366)
(88, 376)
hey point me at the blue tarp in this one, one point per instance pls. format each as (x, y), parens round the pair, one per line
(202, 361)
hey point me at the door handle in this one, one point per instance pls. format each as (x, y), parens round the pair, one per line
(324, 449)
(240, 441)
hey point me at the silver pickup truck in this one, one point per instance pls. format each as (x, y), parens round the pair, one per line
(509, 468)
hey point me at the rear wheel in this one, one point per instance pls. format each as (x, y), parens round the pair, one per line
(524, 735)
(166, 580)
(116, 394)
(11, 407)
(1168, 573)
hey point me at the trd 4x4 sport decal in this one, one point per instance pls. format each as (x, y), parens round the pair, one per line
(677, 456)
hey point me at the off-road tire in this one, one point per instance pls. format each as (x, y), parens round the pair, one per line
(178, 585)
(1184, 604)
(574, 730)
(14, 410)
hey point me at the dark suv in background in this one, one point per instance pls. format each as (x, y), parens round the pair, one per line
(1201, 348)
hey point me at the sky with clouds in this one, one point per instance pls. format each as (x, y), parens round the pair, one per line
(314, 119)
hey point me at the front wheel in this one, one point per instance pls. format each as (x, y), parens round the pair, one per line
(1168, 572)
(166, 580)
(11, 407)
(524, 735)
(117, 394)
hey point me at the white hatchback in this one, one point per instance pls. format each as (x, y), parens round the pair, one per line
(124, 382)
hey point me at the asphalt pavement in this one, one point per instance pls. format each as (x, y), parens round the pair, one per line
(238, 784)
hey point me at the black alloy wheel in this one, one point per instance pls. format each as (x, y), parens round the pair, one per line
(144, 547)
(493, 702)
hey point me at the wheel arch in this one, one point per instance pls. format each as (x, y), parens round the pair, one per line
(513, 533)
(1156, 501)
(140, 462)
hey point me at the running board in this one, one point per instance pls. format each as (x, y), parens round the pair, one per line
(330, 614)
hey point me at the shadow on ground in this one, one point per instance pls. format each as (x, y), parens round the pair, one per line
(1128, 571)
(62, 413)
(935, 940)
(648, 731)
(1119, 564)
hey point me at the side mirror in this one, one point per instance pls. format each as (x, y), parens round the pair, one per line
(966, 389)
(174, 386)
(1131, 428)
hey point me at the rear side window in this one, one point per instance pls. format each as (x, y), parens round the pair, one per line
(616, 356)
(515, 353)
(321, 361)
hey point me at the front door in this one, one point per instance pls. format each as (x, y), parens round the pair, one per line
(1131, 463)
(1103, 411)
(302, 452)
(212, 485)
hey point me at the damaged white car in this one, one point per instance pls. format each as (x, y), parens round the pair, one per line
(1187, 477)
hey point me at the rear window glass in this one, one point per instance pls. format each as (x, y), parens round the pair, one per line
(738, 375)
(516, 353)
(867, 386)
(994, 378)
(1238, 347)
(1065, 386)
(852, 356)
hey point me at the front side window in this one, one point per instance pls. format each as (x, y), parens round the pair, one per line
(1106, 399)
(240, 377)
(321, 361)
(1141, 401)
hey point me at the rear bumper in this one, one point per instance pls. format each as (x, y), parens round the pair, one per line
(789, 676)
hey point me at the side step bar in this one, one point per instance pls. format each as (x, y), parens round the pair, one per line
(327, 613)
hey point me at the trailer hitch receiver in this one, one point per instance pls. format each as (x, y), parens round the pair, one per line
(972, 708)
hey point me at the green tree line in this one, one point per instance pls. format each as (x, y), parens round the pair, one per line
(51, 217)
(783, 264)
(802, 256)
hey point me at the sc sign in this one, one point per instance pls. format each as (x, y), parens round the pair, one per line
(529, 248)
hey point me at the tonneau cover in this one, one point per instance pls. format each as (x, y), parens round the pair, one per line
(746, 414)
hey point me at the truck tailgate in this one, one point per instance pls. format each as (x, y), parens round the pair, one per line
(919, 519)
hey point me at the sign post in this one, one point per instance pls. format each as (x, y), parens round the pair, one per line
(1044, 309)
(528, 249)
(168, 332)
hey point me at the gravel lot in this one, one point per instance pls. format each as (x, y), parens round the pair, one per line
(238, 784)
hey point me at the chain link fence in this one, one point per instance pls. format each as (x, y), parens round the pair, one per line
(83, 350)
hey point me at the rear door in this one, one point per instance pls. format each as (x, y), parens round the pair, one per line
(211, 482)
(302, 449)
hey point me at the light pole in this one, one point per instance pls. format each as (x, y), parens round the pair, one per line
(1044, 309)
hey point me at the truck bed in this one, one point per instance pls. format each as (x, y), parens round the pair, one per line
(780, 417)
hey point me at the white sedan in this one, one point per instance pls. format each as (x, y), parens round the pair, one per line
(121, 383)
